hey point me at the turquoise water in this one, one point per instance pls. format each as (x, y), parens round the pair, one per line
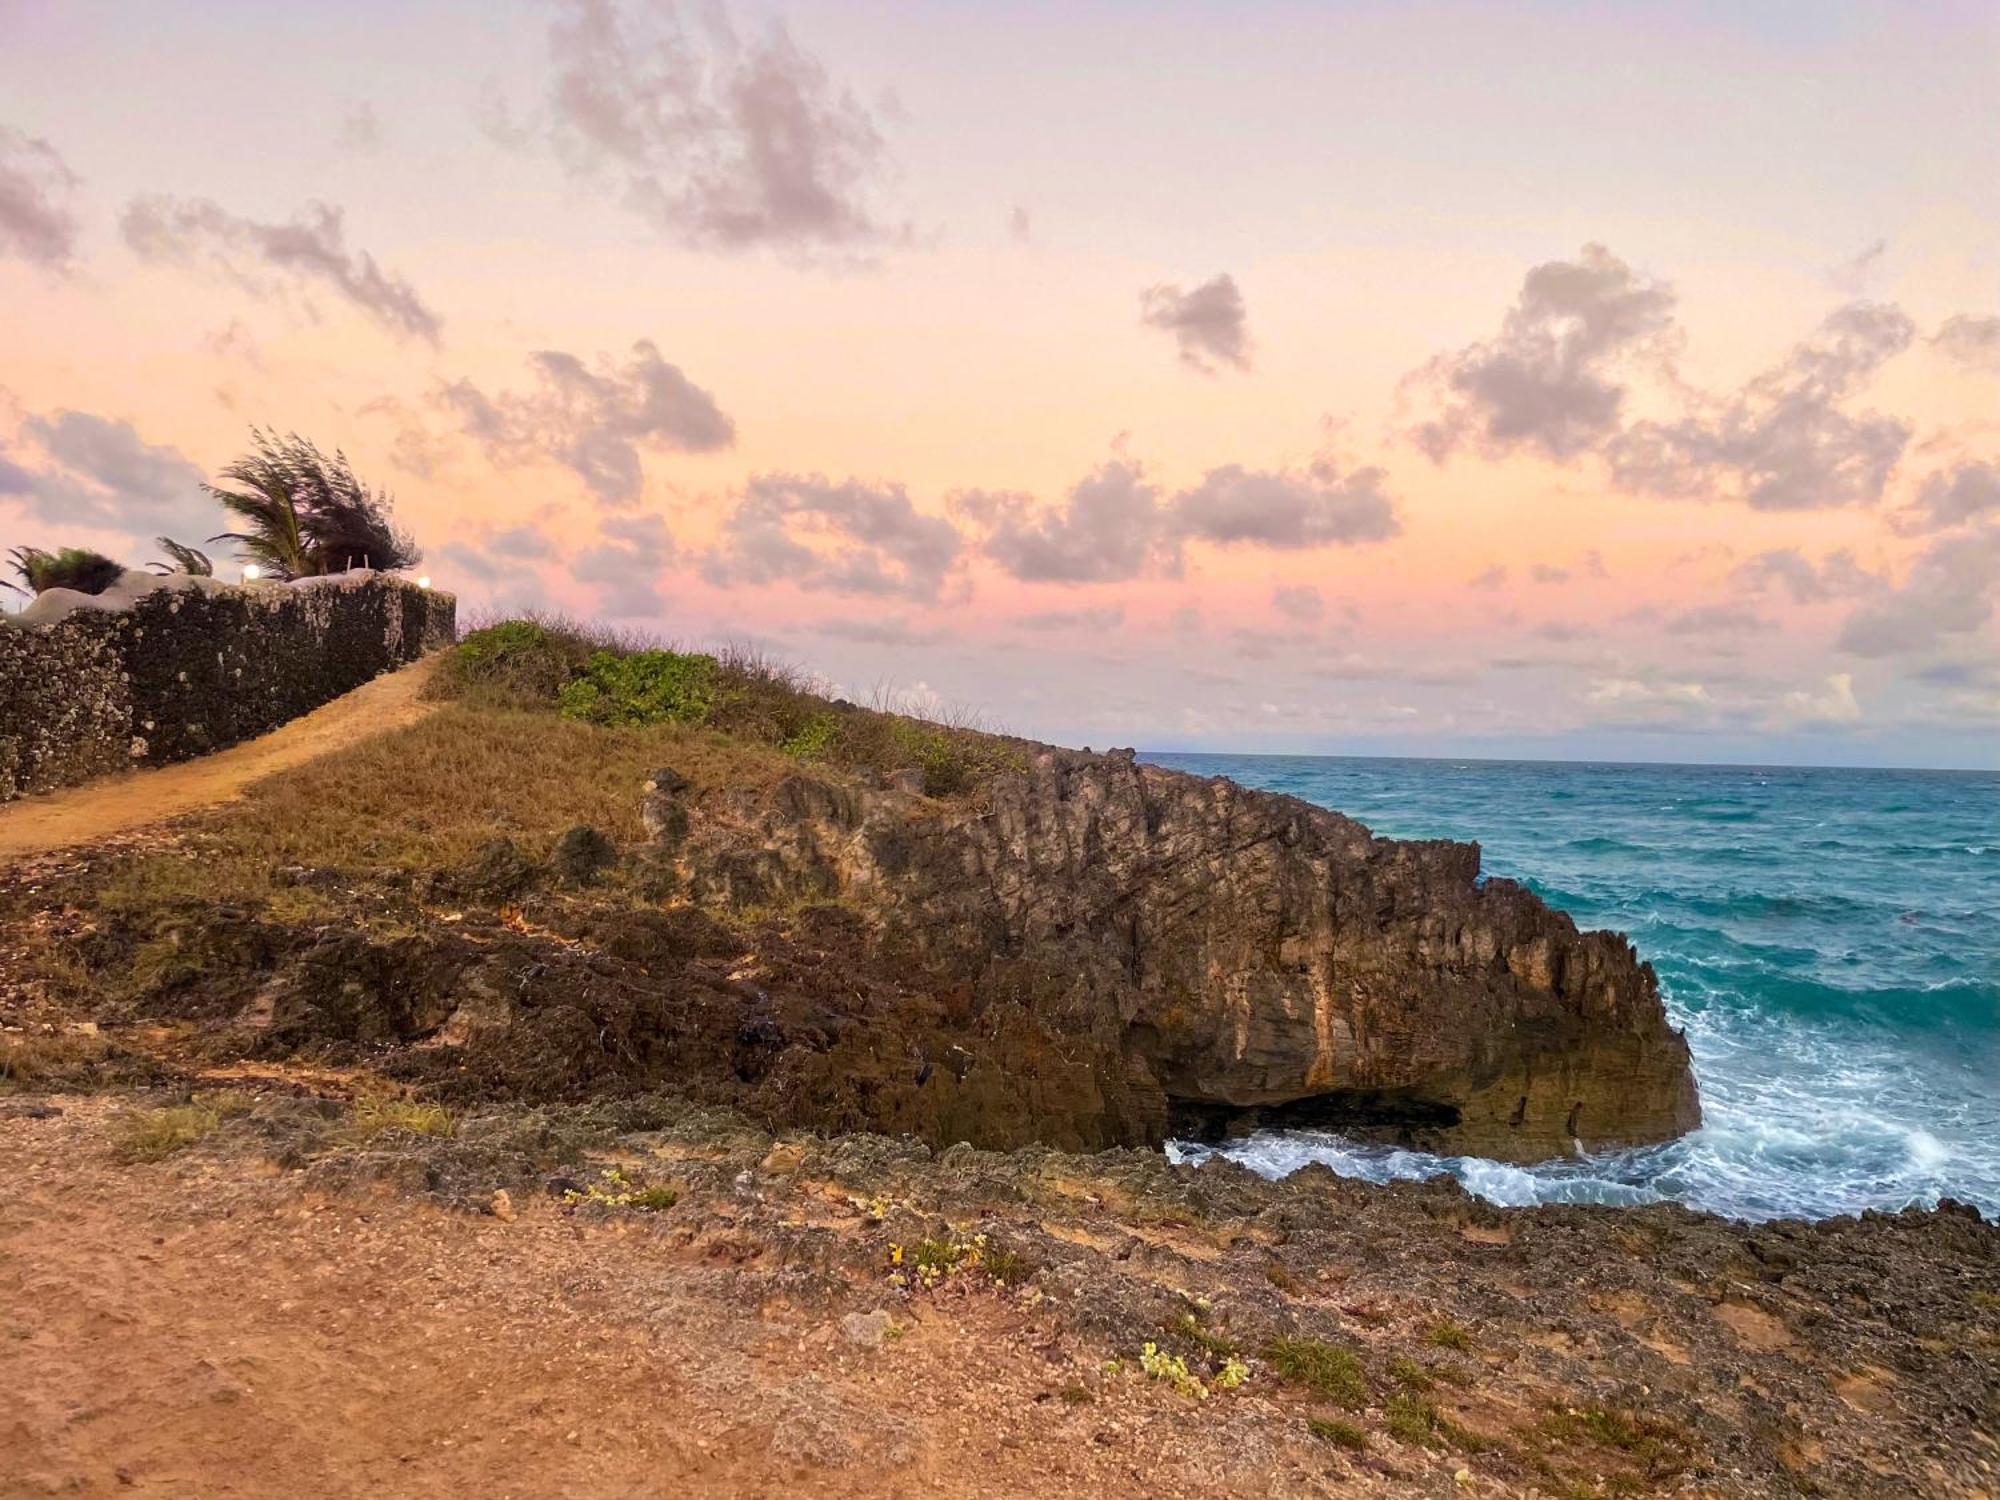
(1830, 940)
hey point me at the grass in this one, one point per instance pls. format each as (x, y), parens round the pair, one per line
(1326, 1369)
(1341, 1434)
(372, 1116)
(1217, 1346)
(1446, 1334)
(1658, 1446)
(1410, 1375)
(38, 1062)
(154, 1134)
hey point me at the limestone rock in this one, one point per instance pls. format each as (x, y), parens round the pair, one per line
(1253, 958)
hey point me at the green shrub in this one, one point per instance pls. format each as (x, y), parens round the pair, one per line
(1333, 1372)
(514, 664)
(932, 751)
(814, 739)
(646, 687)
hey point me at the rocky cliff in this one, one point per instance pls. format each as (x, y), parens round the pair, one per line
(1236, 958)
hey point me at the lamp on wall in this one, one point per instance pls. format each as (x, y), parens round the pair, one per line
(424, 582)
(251, 572)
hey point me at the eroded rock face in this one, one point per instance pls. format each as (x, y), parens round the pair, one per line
(1254, 958)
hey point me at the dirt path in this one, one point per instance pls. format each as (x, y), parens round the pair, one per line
(118, 804)
(197, 1329)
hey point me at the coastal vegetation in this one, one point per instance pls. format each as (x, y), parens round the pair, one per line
(76, 568)
(303, 514)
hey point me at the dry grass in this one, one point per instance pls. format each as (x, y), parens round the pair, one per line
(152, 1134)
(39, 1062)
(431, 795)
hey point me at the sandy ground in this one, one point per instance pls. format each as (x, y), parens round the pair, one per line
(117, 804)
(202, 1328)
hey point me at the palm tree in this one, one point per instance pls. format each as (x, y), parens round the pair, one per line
(305, 514)
(185, 559)
(72, 568)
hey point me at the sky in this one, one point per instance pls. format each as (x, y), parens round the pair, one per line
(1543, 380)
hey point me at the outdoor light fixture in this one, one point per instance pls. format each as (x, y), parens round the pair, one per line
(424, 582)
(251, 572)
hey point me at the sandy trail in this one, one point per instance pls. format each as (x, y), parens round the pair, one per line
(118, 804)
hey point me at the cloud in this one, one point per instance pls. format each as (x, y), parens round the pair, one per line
(850, 538)
(1645, 702)
(1288, 510)
(1299, 601)
(1207, 322)
(94, 472)
(311, 251)
(1548, 573)
(361, 130)
(1837, 575)
(1950, 591)
(1107, 529)
(889, 630)
(1488, 578)
(1717, 619)
(1825, 707)
(1262, 645)
(1107, 618)
(1564, 631)
(1782, 442)
(594, 422)
(1549, 381)
(36, 224)
(722, 143)
(1967, 492)
(627, 565)
(1020, 226)
(1971, 341)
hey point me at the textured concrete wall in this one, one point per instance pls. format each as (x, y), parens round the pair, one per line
(183, 667)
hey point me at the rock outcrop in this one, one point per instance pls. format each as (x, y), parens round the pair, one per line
(1240, 958)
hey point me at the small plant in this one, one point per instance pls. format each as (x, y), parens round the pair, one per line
(1233, 1373)
(1076, 1394)
(1445, 1334)
(72, 568)
(372, 1116)
(1410, 1375)
(153, 1134)
(1279, 1277)
(1008, 1267)
(1173, 1370)
(1340, 1434)
(1988, 1301)
(1413, 1420)
(929, 1263)
(814, 739)
(614, 1190)
(1218, 1346)
(1333, 1372)
(646, 687)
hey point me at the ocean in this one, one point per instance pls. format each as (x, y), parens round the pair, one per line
(1829, 939)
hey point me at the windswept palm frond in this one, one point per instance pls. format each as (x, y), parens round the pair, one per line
(306, 514)
(185, 559)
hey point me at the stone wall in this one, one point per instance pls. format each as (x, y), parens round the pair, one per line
(159, 670)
